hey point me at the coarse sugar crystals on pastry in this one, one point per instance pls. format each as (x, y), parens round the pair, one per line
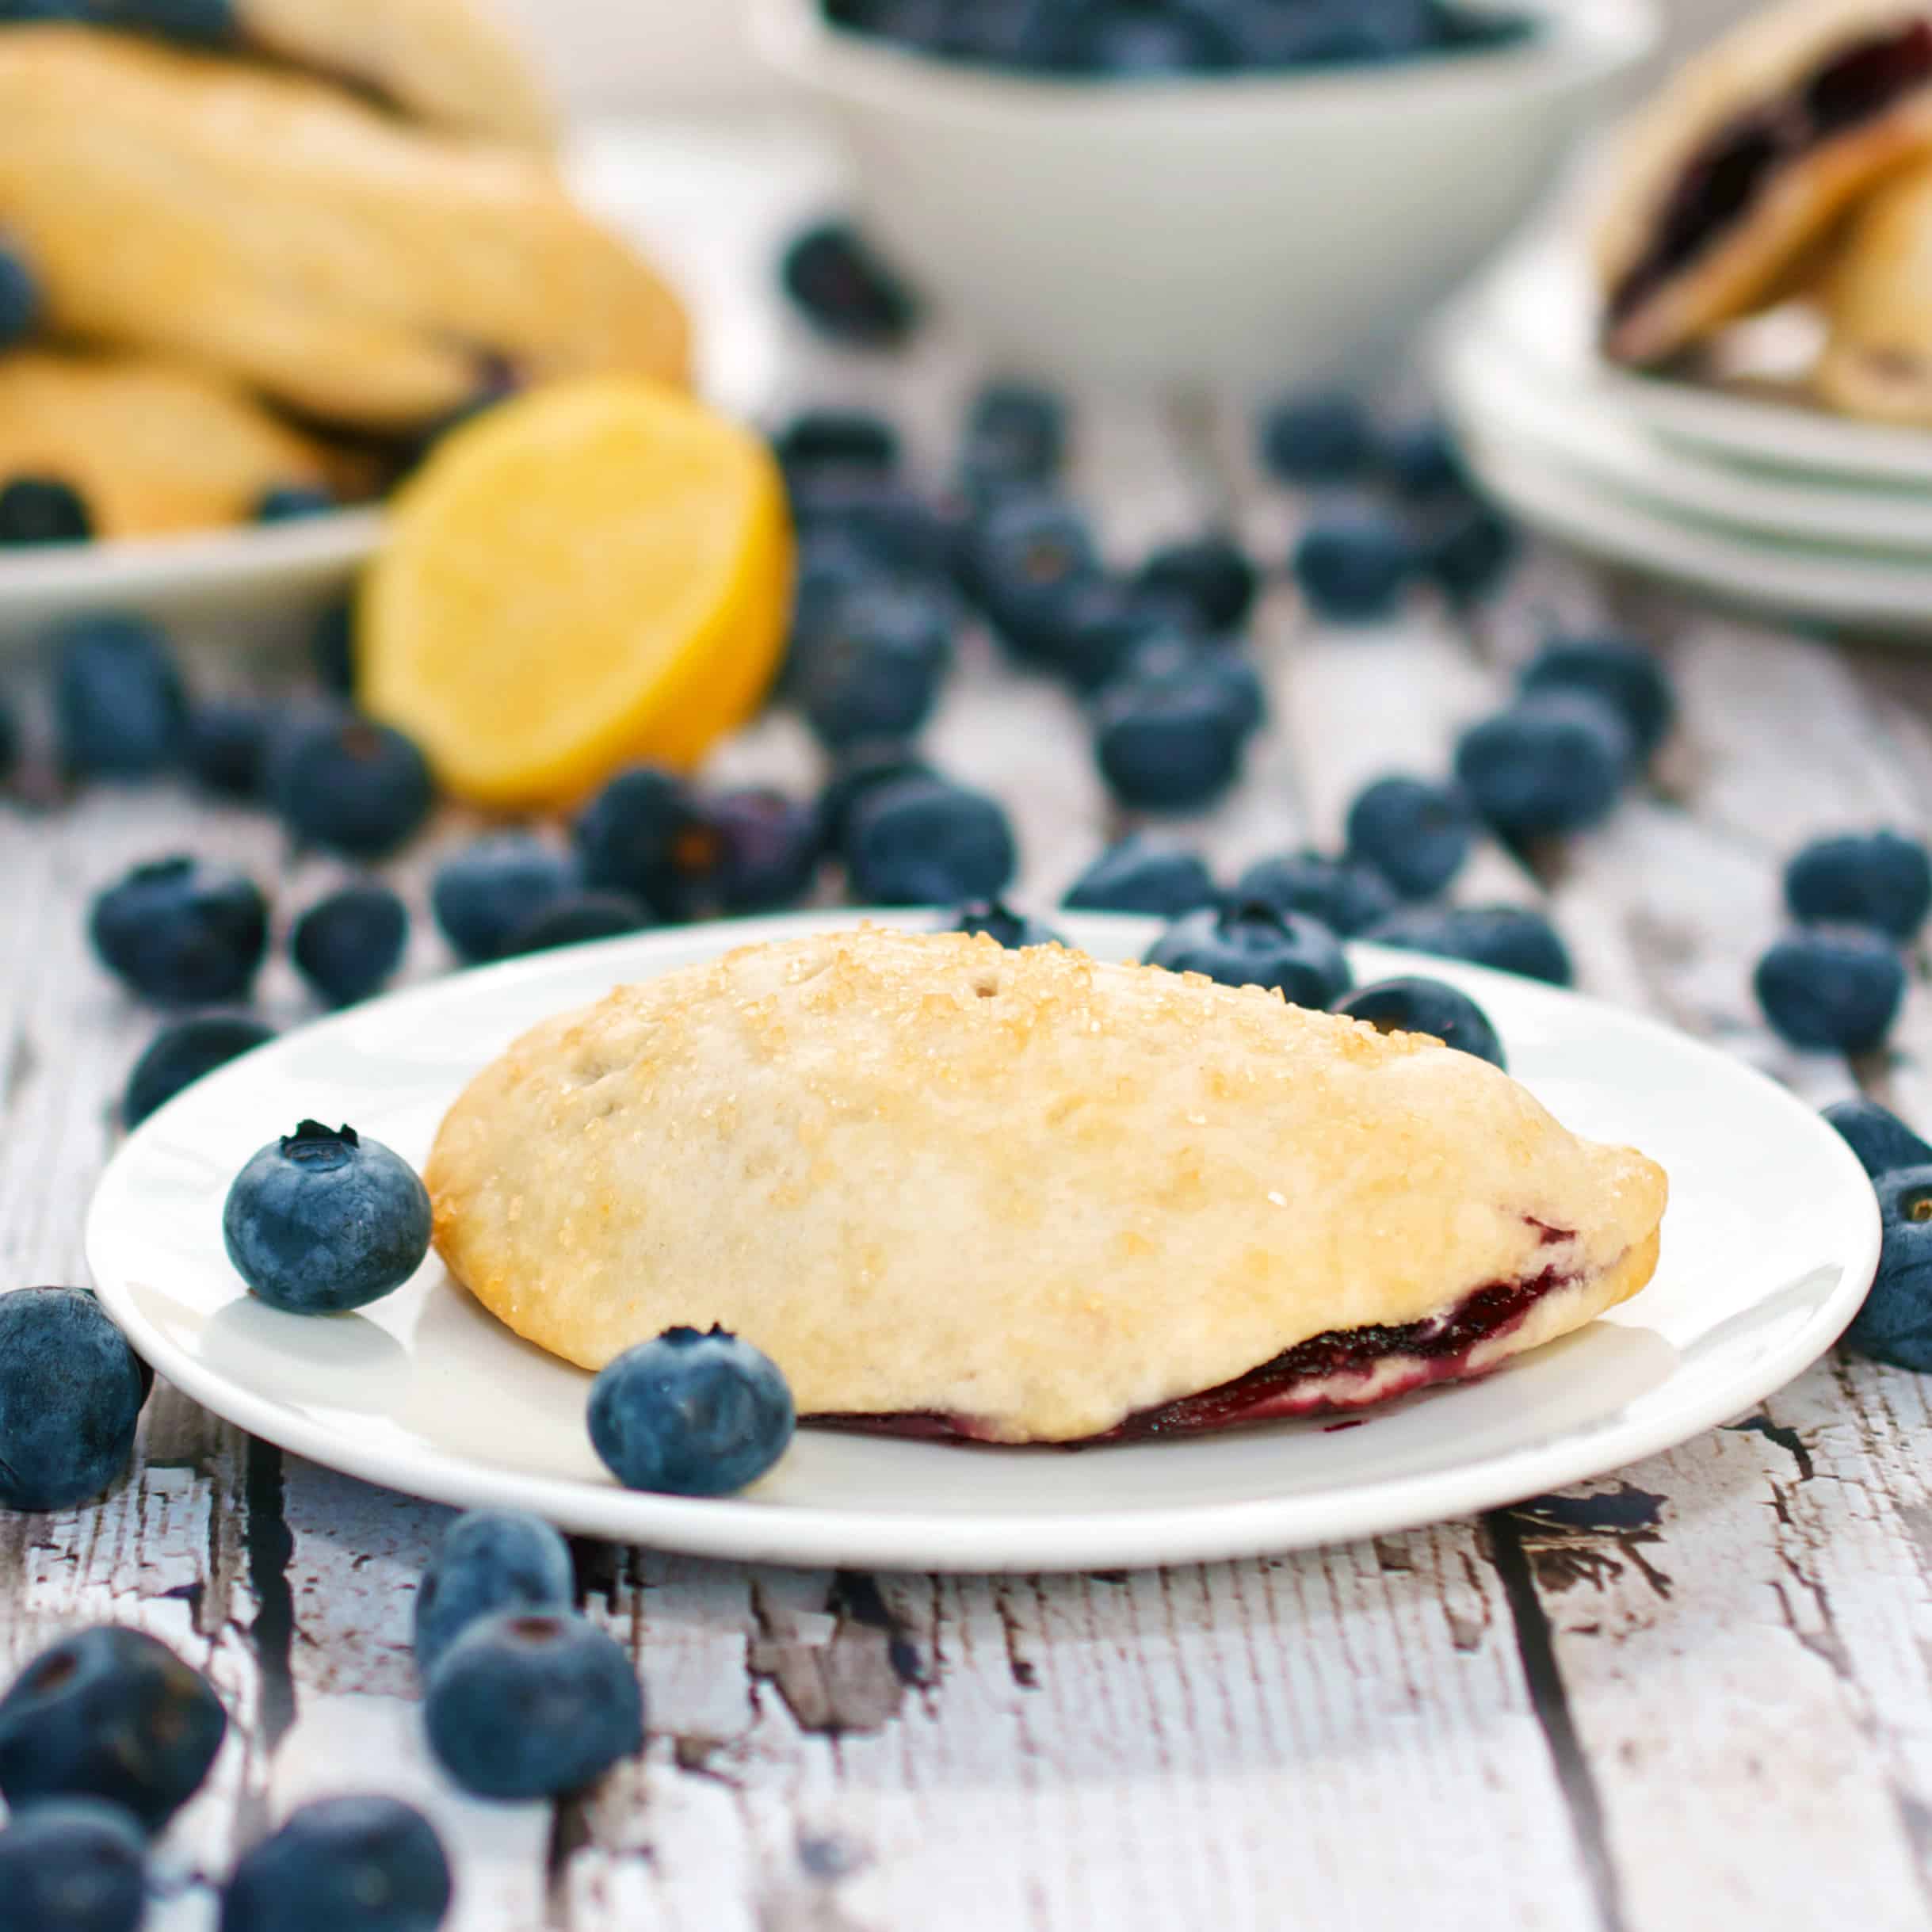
(1025, 1196)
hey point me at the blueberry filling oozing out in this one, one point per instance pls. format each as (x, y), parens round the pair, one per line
(1728, 176)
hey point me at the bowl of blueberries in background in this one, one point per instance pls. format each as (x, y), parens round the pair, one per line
(1179, 192)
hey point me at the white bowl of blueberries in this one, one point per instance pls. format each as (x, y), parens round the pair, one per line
(1187, 192)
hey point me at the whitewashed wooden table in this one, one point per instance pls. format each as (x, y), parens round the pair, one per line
(1696, 1697)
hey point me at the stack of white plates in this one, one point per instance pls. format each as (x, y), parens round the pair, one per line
(1737, 489)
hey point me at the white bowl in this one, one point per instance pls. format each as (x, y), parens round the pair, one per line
(1238, 229)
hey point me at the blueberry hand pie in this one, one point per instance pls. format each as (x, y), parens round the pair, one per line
(1878, 303)
(1740, 168)
(1026, 1196)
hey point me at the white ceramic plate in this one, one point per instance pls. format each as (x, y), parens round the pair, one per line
(1771, 1239)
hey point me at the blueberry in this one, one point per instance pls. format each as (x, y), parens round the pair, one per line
(918, 841)
(226, 747)
(42, 510)
(1168, 735)
(489, 1561)
(1015, 434)
(177, 932)
(1137, 875)
(1616, 671)
(200, 23)
(628, 836)
(1317, 439)
(1096, 628)
(1033, 36)
(1510, 938)
(1468, 551)
(321, 1221)
(768, 848)
(181, 1054)
(872, 669)
(332, 650)
(845, 290)
(1880, 879)
(487, 892)
(1148, 43)
(342, 1864)
(20, 299)
(1256, 945)
(1417, 835)
(531, 1704)
(880, 518)
(997, 920)
(1883, 1143)
(1421, 459)
(1027, 553)
(1347, 896)
(859, 773)
(578, 918)
(1895, 1325)
(1547, 765)
(73, 1864)
(111, 1714)
(1355, 564)
(70, 1394)
(1831, 988)
(837, 439)
(294, 503)
(349, 944)
(1427, 1007)
(691, 1414)
(351, 785)
(1211, 579)
(120, 707)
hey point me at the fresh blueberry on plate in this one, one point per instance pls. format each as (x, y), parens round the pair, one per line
(1511, 938)
(899, 530)
(1878, 880)
(181, 932)
(768, 847)
(226, 747)
(1015, 434)
(628, 837)
(1097, 626)
(1550, 764)
(1136, 876)
(1317, 439)
(295, 503)
(1347, 896)
(1895, 1325)
(1211, 579)
(1354, 563)
(1831, 988)
(691, 1414)
(111, 1714)
(322, 1220)
(181, 1054)
(1616, 671)
(843, 289)
(1418, 1006)
(873, 667)
(1416, 834)
(1027, 553)
(349, 944)
(42, 510)
(1257, 945)
(72, 1865)
(1421, 459)
(921, 841)
(489, 1561)
(998, 920)
(837, 439)
(1144, 42)
(483, 895)
(119, 706)
(70, 1394)
(578, 918)
(859, 772)
(1169, 732)
(332, 650)
(1468, 551)
(531, 1704)
(1883, 1143)
(342, 1864)
(351, 785)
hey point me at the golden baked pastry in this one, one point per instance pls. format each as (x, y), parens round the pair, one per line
(154, 447)
(1878, 299)
(353, 268)
(1024, 1196)
(1747, 157)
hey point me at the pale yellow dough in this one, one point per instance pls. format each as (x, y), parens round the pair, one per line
(925, 1174)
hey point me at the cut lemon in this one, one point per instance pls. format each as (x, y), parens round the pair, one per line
(591, 575)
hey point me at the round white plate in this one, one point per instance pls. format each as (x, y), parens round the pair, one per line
(1771, 1242)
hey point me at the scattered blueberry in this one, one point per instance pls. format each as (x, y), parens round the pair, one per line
(1883, 1143)
(1095, 628)
(332, 650)
(1421, 459)
(691, 1414)
(1510, 938)
(483, 895)
(999, 921)
(120, 707)
(1028, 553)
(837, 439)
(322, 1220)
(1417, 835)
(70, 1394)
(1895, 1325)
(845, 290)
(1616, 671)
(1347, 896)
(42, 510)
(181, 1054)
(1015, 434)
(1878, 880)
(1317, 439)
(181, 934)
(628, 836)
(858, 773)
(111, 1714)
(349, 944)
(20, 299)
(1146, 43)
(917, 841)
(351, 785)
(1168, 732)
(342, 1864)
(879, 517)
(1354, 563)
(1256, 945)
(199, 23)
(768, 848)
(1427, 1007)
(226, 747)
(295, 503)
(1550, 764)
(872, 669)
(1468, 551)
(489, 1561)
(1136, 876)
(72, 1865)
(577, 919)
(1211, 579)
(1831, 988)
(533, 1704)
